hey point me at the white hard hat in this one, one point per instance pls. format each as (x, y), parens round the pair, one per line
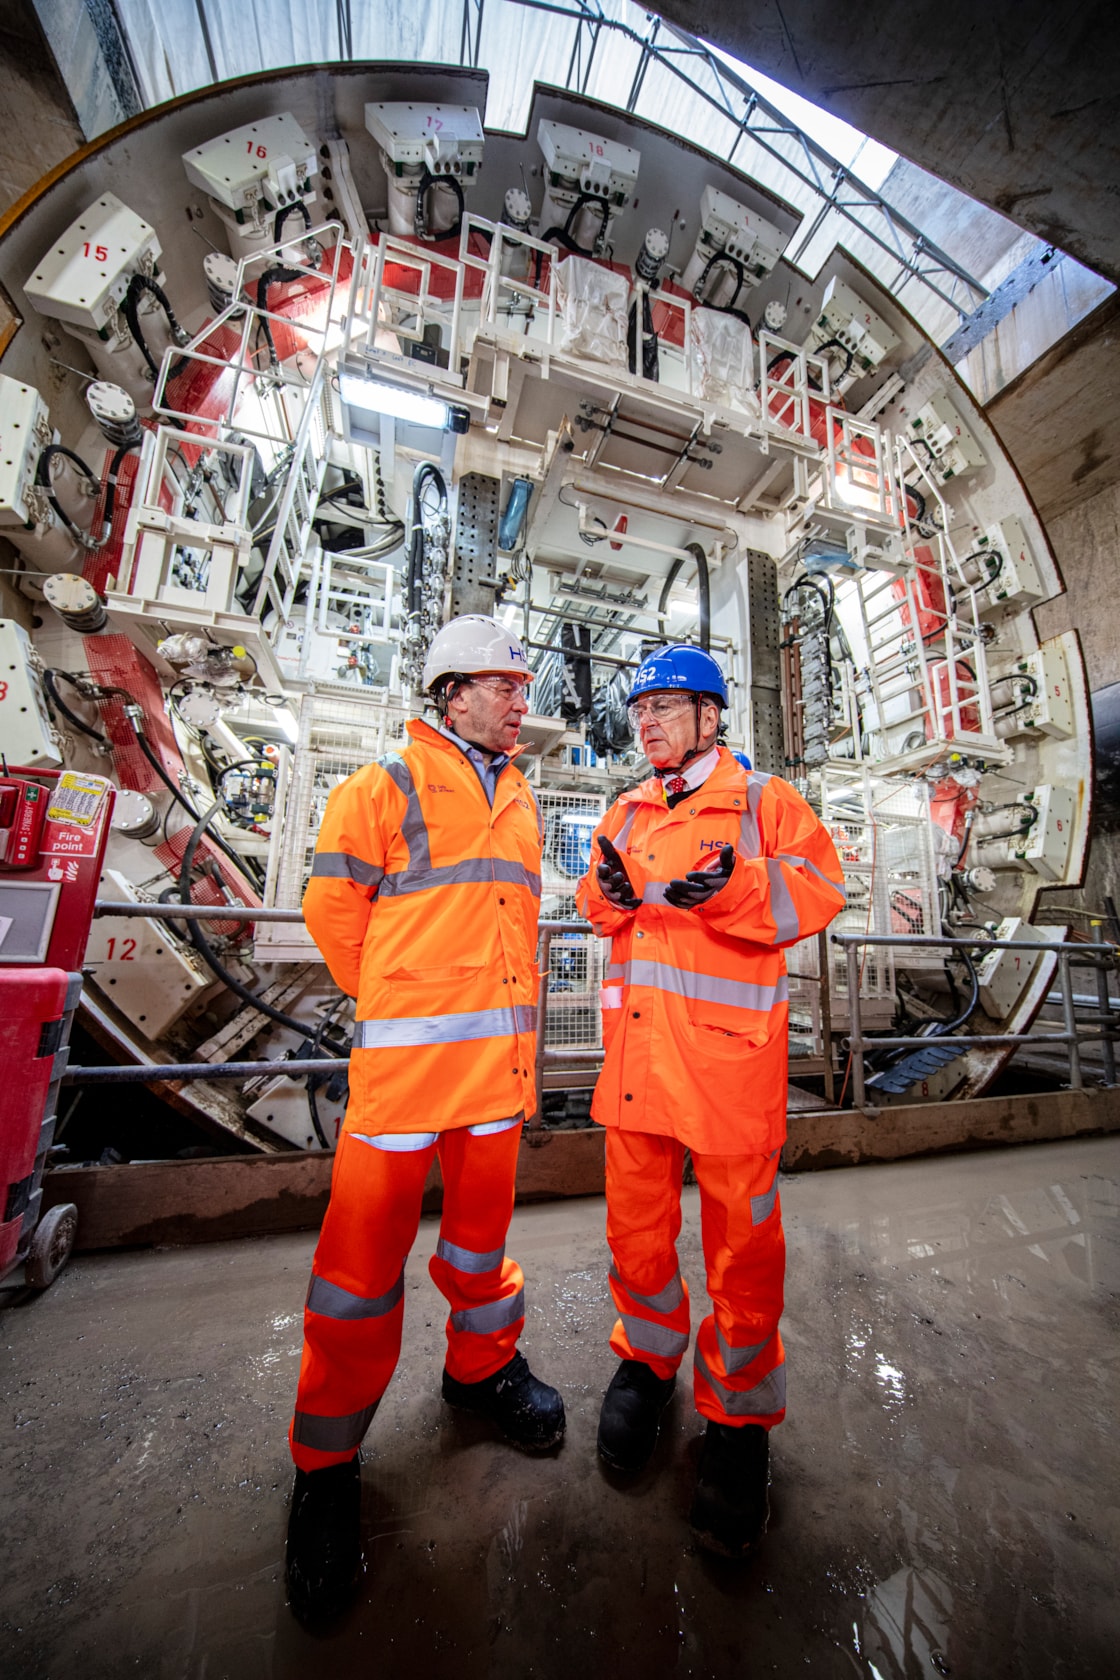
(474, 643)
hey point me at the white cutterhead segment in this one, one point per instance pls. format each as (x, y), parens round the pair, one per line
(444, 139)
(271, 160)
(474, 643)
(110, 404)
(854, 325)
(24, 432)
(583, 162)
(726, 225)
(83, 275)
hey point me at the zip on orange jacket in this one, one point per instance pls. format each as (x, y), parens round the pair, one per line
(695, 1002)
(424, 902)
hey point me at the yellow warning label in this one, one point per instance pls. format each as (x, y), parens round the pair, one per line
(76, 799)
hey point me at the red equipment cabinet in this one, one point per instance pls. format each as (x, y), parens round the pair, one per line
(54, 828)
(36, 1009)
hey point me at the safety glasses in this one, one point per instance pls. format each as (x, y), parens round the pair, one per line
(659, 707)
(503, 688)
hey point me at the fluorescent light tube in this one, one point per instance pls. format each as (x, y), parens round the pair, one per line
(414, 406)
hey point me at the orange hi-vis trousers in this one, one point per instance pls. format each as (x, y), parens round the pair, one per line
(739, 1364)
(355, 1304)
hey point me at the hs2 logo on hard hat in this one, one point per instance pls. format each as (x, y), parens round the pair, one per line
(518, 653)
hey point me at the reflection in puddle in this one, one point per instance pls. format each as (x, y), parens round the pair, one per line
(906, 1626)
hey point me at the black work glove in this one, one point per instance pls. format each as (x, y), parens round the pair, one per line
(613, 879)
(699, 885)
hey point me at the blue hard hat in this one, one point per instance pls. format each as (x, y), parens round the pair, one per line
(680, 667)
(743, 760)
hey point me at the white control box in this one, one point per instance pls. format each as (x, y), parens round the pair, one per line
(84, 275)
(854, 325)
(151, 976)
(444, 139)
(1045, 705)
(579, 161)
(1005, 975)
(1016, 579)
(270, 160)
(953, 452)
(1045, 846)
(25, 727)
(24, 434)
(726, 225)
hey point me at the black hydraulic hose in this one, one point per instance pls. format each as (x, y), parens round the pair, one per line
(284, 212)
(427, 181)
(959, 1020)
(740, 276)
(272, 277)
(131, 306)
(703, 592)
(43, 479)
(205, 950)
(651, 359)
(425, 474)
(670, 579)
(563, 235)
(111, 482)
(57, 701)
(153, 760)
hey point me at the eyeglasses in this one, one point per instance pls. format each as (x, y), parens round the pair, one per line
(659, 707)
(506, 688)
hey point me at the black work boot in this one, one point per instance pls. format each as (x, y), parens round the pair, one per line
(528, 1412)
(730, 1509)
(324, 1541)
(631, 1415)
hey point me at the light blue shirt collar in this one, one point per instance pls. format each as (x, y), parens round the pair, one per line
(487, 773)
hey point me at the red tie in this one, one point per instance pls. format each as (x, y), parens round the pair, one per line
(675, 784)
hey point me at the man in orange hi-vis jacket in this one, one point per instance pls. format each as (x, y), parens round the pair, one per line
(423, 900)
(700, 876)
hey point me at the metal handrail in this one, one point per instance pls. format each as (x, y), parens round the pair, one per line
(1098, 956)
(140, 1073)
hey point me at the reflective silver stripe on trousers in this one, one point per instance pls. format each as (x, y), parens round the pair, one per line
(397, 1143)
(332, 1434)
(495, 1315)
(487, 1128)
(805, 863)
(763, 1206)
(407, 1031)
(666, 1300)
(787, 923)
(329, 1300)
(654, 1338)
(768, 1396)
(343, 866)
(470, 870)
(466, 1260)
(735, 1358)
(704, 988)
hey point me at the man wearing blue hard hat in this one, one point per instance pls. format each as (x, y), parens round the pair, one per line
(700, 876)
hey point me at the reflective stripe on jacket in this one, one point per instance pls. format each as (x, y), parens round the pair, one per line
(695, 1010)
(424, 900)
